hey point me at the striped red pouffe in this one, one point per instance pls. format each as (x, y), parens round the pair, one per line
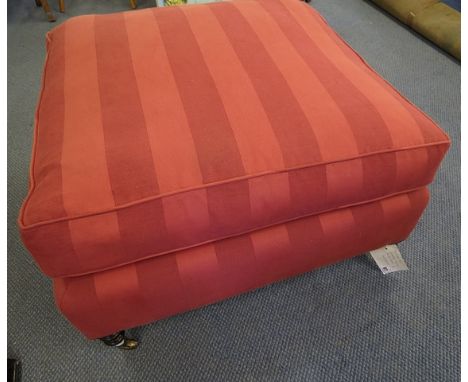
(186, 154)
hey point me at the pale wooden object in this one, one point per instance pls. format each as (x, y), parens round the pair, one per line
(45, 5)
(61, 3)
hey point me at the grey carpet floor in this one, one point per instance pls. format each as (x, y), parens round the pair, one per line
(455, 4)
(345, 322)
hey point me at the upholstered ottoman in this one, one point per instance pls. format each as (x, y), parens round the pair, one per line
(187, 154)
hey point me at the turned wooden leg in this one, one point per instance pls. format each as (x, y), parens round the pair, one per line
(61, 5)
(45, 5)
(120, 340)
(133, 3)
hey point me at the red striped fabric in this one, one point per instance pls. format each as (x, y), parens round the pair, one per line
(372, 134)
(123, 123)
(168, 130)
(104, 302)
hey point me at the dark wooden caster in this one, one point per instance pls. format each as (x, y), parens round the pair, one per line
(120, 340)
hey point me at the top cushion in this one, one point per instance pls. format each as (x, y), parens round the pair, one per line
(163, 129)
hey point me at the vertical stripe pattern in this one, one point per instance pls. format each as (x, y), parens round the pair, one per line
(83, 114)
(47, 170)
(175, 160)
(163, 131)
(370, 130)
(215, 142)
(163, 286)
(401, 123)
(127, 148)
(258, 146)
(280, 104)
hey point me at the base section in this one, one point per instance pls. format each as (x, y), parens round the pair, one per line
(145, 291)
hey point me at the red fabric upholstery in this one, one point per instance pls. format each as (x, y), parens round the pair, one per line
(161, 129)
(104, 302)
(186, 154)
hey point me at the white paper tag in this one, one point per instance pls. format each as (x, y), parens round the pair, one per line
(389, 259)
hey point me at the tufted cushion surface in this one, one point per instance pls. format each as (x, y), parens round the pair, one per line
(161, 130)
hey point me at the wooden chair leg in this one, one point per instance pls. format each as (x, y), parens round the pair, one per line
(50, 15)
(38, 3)
(61, 5)
(133, 3)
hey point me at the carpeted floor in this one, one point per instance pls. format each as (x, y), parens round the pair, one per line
(346, 322)
(456, 4)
